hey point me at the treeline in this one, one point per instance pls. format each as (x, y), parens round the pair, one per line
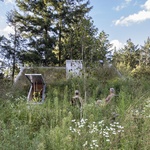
(49, 32)
(133, 59)
(46, 33)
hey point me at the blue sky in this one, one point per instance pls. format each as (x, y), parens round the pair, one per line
(121, 19)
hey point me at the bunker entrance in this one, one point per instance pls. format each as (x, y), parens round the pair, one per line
(36, 92)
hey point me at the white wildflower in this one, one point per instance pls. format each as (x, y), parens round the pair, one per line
(79, 133)
(106, 135)
(94, 141)
(85, 143)
(100, 132)
(116, 122)
(108, 140)
(74, 130)
(73, 120)
(96, 145)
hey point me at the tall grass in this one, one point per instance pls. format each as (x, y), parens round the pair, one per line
(56, 125)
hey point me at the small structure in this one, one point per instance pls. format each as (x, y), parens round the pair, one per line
(37, 89)
(73, 68)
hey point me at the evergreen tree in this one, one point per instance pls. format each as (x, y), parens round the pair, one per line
(7, 49)
(69, 16)
(103, 47)
(3, 43)
(46, 26)
(128, 55)
(80, 40)
(10, 47)
(131, 54)
(145, 53)
(36, 25)
(14, 40)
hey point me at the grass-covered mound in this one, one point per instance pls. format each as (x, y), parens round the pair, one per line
(50, 74)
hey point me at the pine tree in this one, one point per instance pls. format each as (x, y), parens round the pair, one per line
(46, 26)
(128, 55)
(103, 46)
(69, 16)
(145, 53)
(36, 25)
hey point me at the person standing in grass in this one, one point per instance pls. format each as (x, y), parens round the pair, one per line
(77, 99)
(108, 98)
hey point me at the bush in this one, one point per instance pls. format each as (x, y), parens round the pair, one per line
(141, 72)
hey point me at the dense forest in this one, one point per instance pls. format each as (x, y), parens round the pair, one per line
(46, 34)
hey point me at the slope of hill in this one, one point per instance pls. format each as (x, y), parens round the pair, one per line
(50, 75)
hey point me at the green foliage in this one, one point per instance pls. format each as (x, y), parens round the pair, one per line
(145, 50)
(56, 125)
(141, 72)
(129, 55)
(49, 29)
(124, 69)
(102, 47)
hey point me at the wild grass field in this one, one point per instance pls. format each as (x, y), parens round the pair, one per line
(123, 124)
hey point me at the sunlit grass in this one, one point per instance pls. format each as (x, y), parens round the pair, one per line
(57, 125)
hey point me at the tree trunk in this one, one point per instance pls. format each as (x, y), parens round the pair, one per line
(14, 57)
(60, 46)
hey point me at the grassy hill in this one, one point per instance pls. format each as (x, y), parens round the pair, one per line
(56, 125)
(50, 74)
